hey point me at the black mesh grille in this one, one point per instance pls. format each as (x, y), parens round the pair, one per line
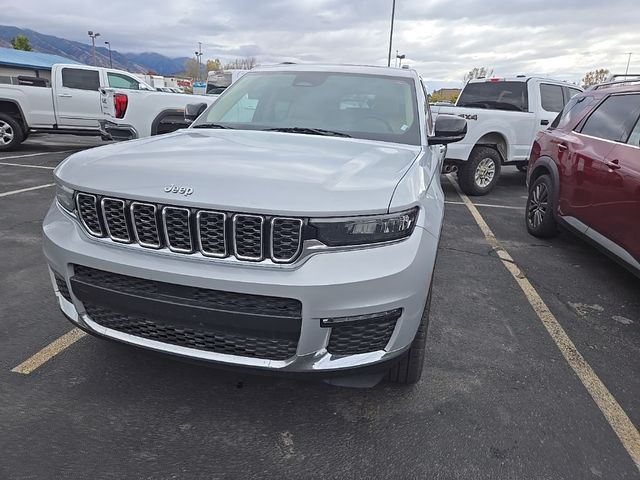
(87, 208)
(224, 322)
(230, 301)
(212, 230)
(176, 223)
(62, 287)
(210, 340)
(113, 211)
(214, 234)
(146, 224)
(248, 237)
(360, 337)
(286, 240)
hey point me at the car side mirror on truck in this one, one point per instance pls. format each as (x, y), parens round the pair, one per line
(448, 129)
(193, 111)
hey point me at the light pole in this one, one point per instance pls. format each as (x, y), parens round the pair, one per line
(93, 42)
(393, 14)
(108, 44)
(628, 62)
(400, 57)
(199, 57)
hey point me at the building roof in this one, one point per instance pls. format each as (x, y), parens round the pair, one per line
(36, 60)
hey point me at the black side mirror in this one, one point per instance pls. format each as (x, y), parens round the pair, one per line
(449, 129)
(193, 111)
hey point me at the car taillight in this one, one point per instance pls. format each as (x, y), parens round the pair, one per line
(120, 102)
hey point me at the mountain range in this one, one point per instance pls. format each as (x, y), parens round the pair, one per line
(83, 53)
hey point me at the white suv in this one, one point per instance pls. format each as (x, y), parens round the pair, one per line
(292, 228)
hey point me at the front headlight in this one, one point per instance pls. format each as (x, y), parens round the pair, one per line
(64, 197)
(365, 230)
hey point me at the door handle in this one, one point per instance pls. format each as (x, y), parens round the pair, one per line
(562, 147)
(612, 164)
(65, 95)
(544, 122)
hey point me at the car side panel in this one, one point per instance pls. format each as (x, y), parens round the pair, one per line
(618, 198)
(581, 163)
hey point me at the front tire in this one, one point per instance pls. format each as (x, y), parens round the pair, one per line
(408, 370)
(11, 134)
(540, 210)
(479, 174)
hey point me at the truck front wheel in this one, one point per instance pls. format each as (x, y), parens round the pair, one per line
(479, 174)
(10, 133)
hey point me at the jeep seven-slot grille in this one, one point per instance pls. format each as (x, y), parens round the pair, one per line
(189, 230)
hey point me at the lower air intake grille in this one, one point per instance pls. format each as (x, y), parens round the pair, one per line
(217, 321)
(210, 340)
(360, 337)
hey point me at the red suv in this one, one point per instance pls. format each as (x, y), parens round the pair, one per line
(584, 172)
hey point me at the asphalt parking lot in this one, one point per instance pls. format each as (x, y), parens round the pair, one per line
(498, 398)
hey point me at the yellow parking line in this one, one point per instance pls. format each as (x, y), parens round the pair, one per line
(48, 352)
(6, 194)
(612, 411)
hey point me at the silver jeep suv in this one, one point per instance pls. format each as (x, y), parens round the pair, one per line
(292, 228)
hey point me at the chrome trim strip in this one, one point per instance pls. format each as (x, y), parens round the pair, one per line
(619, 143)
(235, 243)
(297, 252)
(224, 234)
(99, 234)
(106, 223)
(135, 228)
(166, 233)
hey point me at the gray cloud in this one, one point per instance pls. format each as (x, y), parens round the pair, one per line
(441, 39)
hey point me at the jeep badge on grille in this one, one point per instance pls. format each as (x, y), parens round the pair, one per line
(186, 191)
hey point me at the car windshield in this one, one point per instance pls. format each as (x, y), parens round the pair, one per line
(495, 95)
(373, 107)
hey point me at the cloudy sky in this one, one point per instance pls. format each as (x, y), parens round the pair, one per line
(441, 39)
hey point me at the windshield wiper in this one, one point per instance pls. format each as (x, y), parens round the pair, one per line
(310, 131)
(209, 125)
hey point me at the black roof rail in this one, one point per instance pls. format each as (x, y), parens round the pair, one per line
(613, 83)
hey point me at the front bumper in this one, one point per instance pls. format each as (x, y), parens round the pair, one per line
(328, 284)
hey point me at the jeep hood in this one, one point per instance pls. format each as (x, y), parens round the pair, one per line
(246, 171)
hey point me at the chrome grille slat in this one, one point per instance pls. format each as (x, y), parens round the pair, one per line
(145, 224)
(115, 219)
(248, 242)
(211, 233)
(177, 229)
(88, 212)
(286, 239)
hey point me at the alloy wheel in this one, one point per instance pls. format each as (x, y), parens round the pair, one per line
(6, 133)
(538, 205)
(485, 171)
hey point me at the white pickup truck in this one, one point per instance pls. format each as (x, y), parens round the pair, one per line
(69, 104)
(503, 117)
(129, 113)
